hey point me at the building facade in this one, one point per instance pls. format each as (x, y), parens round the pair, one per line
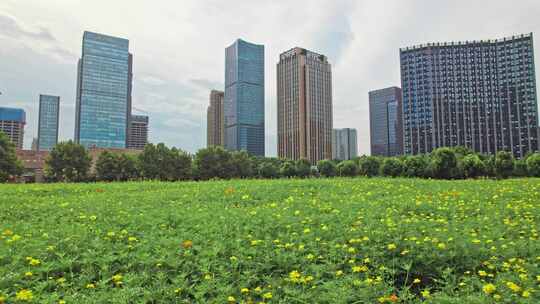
(344, 144)
(478, 94)
(138, 132)
(12, 122)
(244, 97)
(49, 113)
(304, 105)
(385, 121)
(215, 131)
(104, 79)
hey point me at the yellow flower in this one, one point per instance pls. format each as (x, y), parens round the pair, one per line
(416, 281)
(34, 262)
(187, 244)
(244, 290)
(28, 274)
(441, 246)
(489, 288)
(513, 286)
(90, 286)
(24, 295)
(526, 294)
(61, 302)
(425, 293)
(132, 239)
(339, 273)
(267, 295)
(391, 246)
(482, 273)
(231, 299)
(362, 268)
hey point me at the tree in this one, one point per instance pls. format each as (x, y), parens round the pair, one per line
(327, 168)
(160, 162)
(127, 167)
(214, 162)
(9, 164)
(392, 166)
(288, 169)
(347, 168)
(533, 165)
(504, 164)
(472, 166)
(68, 162)
(416, 166)
(268, 169)
(242, 164)
(303, 168)
(444, 163)
(369, 165)
(107, 167)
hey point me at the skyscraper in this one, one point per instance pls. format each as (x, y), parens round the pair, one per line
(215, 116)
(104, 78)
(344, 144)
(304, 98)
(386, 130)
(49, 110)
(478, 94)
(12, 121)
(244, 97)
(138, 132)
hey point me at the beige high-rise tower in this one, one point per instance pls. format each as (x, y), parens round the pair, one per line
(304, 98)
(215, 119)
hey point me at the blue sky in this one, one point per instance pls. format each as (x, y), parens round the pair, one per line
(178, 49)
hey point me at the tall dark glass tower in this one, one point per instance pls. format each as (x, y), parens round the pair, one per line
(478, 94)
(49, 113)
(104, 78)
(386, 132)
(244, 97)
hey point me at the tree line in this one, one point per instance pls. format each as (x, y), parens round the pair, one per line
(70, 162)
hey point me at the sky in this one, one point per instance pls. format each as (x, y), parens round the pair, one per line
(179, 51)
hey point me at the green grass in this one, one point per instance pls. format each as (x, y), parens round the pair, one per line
(296, 241)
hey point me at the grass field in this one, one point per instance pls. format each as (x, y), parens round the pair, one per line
(283, 241)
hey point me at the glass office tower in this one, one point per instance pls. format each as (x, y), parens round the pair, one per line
(244, 97)
(103, 92)
(477, 94)
(49, 109)
(385, 122)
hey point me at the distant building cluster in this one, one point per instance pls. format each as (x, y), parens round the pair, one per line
(103, 115)
(477, 94)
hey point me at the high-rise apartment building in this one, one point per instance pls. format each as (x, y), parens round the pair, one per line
(385, 122)
(12, 121)
(49, 110)
(104, 79)
(137, 132)
(304, 98)
(344, 144)
(244, 97)
(215, 131)
(478, 94)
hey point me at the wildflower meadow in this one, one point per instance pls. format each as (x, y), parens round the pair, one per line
(335, 240)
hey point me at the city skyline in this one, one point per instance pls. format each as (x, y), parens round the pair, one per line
(33, 47)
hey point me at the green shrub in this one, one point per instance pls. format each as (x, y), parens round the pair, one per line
(347, 168)
(369, 165)
(392, 167)
(303, 168)
(214, 162)
(472, 166)
(416, 166)
(327, 168)
(67, 162)
(268, 170)
(533, 165)
(288, 169)
(443, 163)
(504, 164)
